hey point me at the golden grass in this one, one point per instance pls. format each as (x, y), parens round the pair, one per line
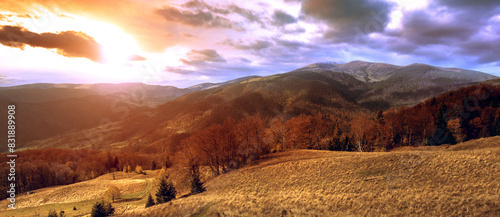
(81, 195)
(445, 181)
(459, 180)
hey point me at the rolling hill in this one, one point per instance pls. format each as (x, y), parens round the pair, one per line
(51, 110)
(411, 181)
(384, 85)
(325, 88)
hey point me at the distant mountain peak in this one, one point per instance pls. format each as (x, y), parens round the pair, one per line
(375, 72)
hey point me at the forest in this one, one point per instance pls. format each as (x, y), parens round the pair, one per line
(456, 116)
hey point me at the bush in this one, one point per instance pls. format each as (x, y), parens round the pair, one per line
(139, 170)
(150, 201)
(166, 191)
(101, 209)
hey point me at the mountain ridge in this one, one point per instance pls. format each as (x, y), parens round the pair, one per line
(308, 90)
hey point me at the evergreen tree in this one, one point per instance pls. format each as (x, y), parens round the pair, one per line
(98, 210)
(379, 118)
(109, 209)
(150, 201)
(496, 126)
(433, 101)
(196, 184)
(116, 163)
(101, 209)
(166, 191)
(109, 162)
(441, 135)
(153, 165)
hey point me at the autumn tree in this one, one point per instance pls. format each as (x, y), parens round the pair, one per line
(276, 135)
(306, 131)
(456, 130)
(358, 127)
(112, 193)
(139, 170)
(250, 134)
(216, 146)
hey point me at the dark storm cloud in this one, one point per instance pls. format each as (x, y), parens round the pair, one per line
(198, 18)
(348, 18)
(460, 29)
(281, 18)
(491, 4)
(69, 43)
(484, 51)
(423, 29)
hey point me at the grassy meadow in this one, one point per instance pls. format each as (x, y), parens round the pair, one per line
(459, 180)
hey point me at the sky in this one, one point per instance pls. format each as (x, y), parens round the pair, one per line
(183, 43)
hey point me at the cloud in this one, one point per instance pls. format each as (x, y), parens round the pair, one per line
(202, 57)
(348, 18)
(257, 45)
(179, 70)
(198, 18)
(68, 43)
(423, 28)
(246, 13)
(468, 4)
(137, 58)
(202, 14)
(281, 18)
(292, 44)
(196, 4)
(224, 10)
(461, 29)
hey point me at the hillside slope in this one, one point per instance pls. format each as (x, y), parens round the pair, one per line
(319, 88)
(446, 180)
(450, 180)
(384, 85)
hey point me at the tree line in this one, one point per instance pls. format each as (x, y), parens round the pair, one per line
(457, 116)
(42, 168)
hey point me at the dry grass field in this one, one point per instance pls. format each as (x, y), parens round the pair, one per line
(459, 180)
(81, 195)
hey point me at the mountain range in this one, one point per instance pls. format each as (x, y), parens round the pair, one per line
(105, 116)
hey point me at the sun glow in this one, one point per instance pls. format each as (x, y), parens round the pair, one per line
(117, 46)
